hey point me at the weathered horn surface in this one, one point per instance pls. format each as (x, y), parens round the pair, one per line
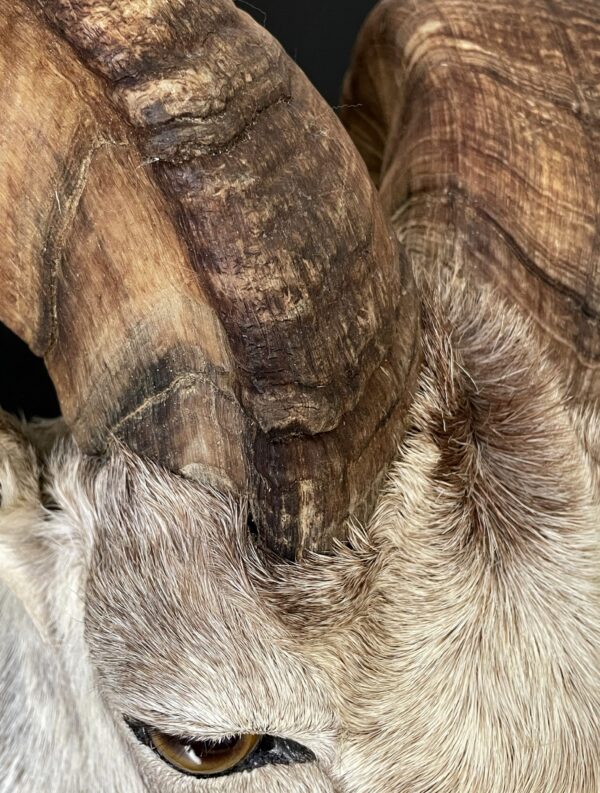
(269, 224)
(483, 132)
(94, 276)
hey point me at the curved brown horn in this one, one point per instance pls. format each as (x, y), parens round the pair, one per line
(95, 278)
(302, 398)
(482, 130)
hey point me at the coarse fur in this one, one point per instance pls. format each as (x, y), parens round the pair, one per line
(451, 646)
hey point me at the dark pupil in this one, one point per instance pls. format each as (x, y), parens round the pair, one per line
(213, 748)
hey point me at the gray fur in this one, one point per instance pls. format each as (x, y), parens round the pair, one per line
(453, 648)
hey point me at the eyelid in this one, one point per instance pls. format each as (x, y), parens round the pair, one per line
(176, 732)
(204, 733)
(196, 733)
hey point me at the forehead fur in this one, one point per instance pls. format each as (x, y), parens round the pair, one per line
(175, 618)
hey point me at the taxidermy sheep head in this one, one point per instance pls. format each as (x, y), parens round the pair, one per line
(314, 519)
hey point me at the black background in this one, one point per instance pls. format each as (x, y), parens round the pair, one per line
(319, 35)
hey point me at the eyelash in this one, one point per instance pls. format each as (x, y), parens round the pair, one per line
(270, 750)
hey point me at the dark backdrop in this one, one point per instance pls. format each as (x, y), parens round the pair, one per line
(319, 35)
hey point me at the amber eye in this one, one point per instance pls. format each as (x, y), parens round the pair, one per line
(203, 758)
